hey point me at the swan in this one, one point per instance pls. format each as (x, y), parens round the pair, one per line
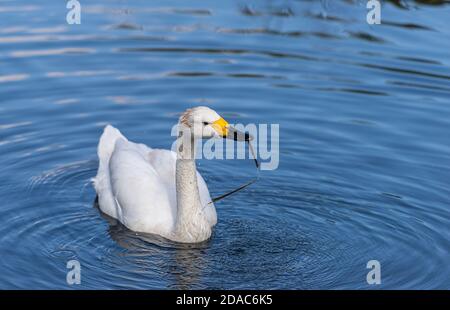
(159, 191)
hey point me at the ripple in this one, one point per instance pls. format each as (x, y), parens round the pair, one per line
(49, 52)
(406, 71)
(194, 12)
(356, 91)
(266, 31)
(67, 101)
(84, 73)
(14, 125)
(419, 86)
(13, 78)
(290, 251)
(214, 51)
(22, 8)
(54, 182)
(282, 254)
(231, 75)
(407, 25)
(327, 17)
(367, 37)
(282, 11)
(190, 74)
(58, 29)
(249, 11)
(127, 26)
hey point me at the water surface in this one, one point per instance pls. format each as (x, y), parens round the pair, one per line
(364, 149)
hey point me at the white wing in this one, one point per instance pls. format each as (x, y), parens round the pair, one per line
(136, 185)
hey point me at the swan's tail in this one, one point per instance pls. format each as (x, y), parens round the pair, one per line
(102, 182)
(108, 142)
(105, 149)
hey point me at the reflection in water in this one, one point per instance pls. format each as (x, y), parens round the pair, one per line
(190, 263)
(184, 262)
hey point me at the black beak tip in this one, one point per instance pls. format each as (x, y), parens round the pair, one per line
(247, 137)
(237, 135)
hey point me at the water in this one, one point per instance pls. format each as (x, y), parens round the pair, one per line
(364, 150)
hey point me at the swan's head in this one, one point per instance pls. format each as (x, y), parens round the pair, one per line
(205, 123)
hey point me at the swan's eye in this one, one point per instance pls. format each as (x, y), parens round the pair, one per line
(205, 123)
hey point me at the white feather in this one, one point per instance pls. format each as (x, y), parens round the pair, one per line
(136, 185)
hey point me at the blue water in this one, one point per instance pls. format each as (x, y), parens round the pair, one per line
(364, 115)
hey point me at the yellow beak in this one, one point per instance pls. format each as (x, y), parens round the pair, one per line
(221, 126)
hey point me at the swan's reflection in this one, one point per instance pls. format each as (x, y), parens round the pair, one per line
(182, 262)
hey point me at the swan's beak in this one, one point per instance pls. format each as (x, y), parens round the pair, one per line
(228, 132)
(221, 127)
(237, 135)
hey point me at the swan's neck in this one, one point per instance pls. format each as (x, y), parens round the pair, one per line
(191, 224)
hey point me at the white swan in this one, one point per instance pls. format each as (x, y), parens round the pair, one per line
(159, 191)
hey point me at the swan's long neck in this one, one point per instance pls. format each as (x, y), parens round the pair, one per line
(191, 224)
